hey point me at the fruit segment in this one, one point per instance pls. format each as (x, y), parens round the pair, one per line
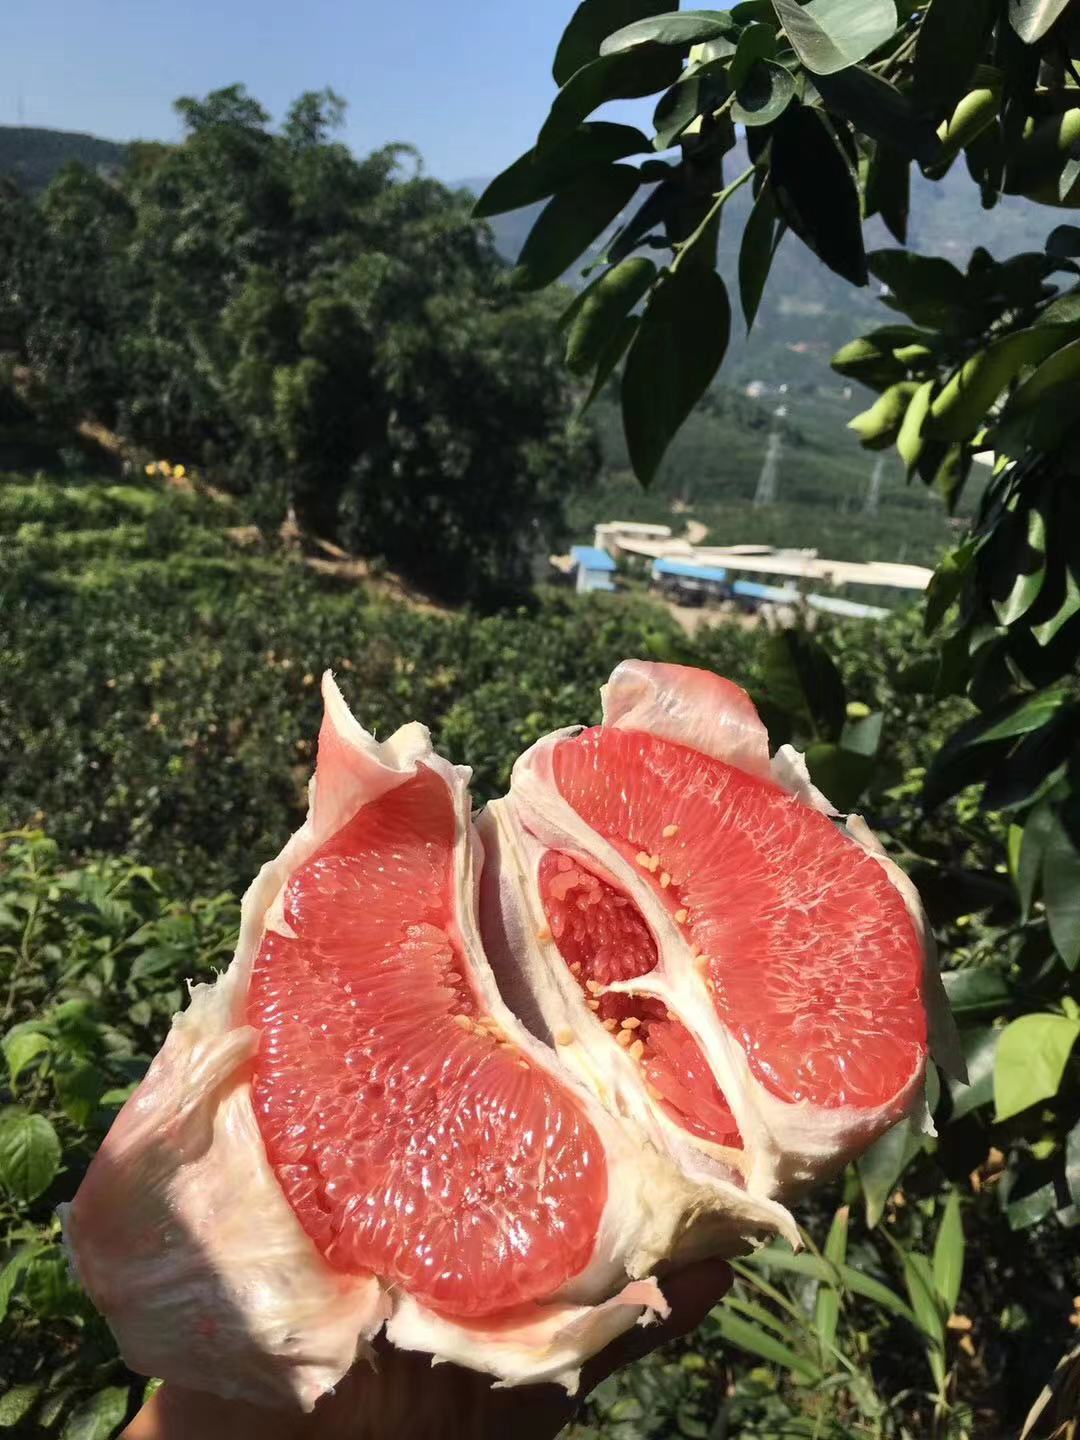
(808, 950)
(409, 1132)
(772, 964)
(602, 936)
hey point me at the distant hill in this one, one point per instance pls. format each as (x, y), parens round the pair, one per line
(808, 312)
(33, 156)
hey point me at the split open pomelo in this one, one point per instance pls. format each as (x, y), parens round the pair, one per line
(480, 1083)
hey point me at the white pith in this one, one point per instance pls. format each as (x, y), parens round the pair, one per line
(181, 1219)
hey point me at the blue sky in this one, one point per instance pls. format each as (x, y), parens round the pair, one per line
(467, 81)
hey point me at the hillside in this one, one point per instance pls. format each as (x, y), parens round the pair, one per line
(33, 155)
(712, 469)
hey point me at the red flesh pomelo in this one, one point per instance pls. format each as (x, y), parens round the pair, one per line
(410, 1138)
(602, 937)
(812, 957)
(484, 1169)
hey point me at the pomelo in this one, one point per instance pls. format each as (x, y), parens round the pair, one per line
(479, 1090)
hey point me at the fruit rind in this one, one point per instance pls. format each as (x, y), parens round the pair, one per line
(547, 1344)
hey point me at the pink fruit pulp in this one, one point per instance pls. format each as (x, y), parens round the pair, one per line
(411, 1138)
(813, 959)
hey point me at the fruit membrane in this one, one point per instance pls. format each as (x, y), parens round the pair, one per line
(480, 1084)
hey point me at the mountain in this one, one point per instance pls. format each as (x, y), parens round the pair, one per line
(807, 312)
(33, 156)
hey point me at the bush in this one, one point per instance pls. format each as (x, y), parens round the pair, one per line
(92, 965)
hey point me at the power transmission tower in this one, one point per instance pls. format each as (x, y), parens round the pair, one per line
(770, 470)
(873, 494)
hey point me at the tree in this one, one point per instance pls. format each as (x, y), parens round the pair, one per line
(838, 100)
(333, 333)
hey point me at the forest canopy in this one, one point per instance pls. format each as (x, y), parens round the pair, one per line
(323, 332)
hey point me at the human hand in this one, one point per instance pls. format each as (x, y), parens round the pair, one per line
(408, 1400)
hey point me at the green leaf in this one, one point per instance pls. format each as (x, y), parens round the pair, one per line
(1020, 717)
(54, 1404)
(539, 173)
(79, 1090)
(1061, 368)
(978, 990)
(16, 1404)
(980, 1050)
(779, 1257)
(756, 250)
(948, 1264)
(841, 775)
(1065, 310)
(29, 1153)
(1030, 572)
(613, 352)
(879, 110)
(1033, 765)
(1038, 829)
(862, 736)
(827, 1305)
(606, 306)
(932, 291)
(951, 40)
(11, 1274)
(696, 93)
(98, 1417)
(888, 189)
(1069, 607)
(946, 584)
(642, 71)
(881, 1166)
(920, 1287)
(763, 95)
(816, 192)
(49, 1288)
(766, 1318)
(678, 28)
(1036, 1205)
(1031, 19)
(1061, 892)
(677, 350)
(871, 1289)
(961, 406)
(592, 22)
(757, 42)
(1031, 1058)
(21, 1048)
(652, 214)
(570, 223)
(801, 679)
(830, 35)
(737, 1331)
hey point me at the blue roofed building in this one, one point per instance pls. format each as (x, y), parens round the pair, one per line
(688, 582)
(592, 569)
